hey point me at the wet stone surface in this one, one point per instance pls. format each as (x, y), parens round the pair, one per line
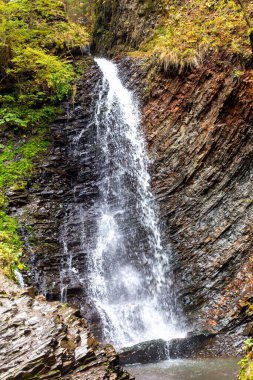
(49, 341)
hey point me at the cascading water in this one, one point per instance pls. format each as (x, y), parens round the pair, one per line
(129, 270)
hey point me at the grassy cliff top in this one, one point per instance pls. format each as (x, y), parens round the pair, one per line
(189, 29)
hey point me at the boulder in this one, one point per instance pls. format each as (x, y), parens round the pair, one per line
(145, 352)
(156, 350)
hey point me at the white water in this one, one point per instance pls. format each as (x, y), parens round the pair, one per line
(19, 278)
(69, 275)
(129, 269)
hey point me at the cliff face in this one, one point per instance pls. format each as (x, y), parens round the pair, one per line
(199, 133)
(121, 25)
(198, 127)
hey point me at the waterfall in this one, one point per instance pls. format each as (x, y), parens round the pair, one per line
(19, 277)
(129, 275)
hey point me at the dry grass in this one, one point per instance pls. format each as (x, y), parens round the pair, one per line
(189, 29)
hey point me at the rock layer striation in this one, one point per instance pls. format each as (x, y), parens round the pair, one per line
(49, 341)
(199, 133)
(198, 128)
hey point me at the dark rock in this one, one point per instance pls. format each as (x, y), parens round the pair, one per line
(46, 340)
(156, 350)
(146, 352)
(200, 138)
(190, 346)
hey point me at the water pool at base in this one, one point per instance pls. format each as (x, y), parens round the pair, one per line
(201, 369)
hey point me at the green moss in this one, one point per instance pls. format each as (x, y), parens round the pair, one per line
(16, 167)
(3, 201)
(237, 73)
(16, 161)
(250, 310)
(19, 186)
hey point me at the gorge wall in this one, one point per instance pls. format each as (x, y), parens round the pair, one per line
(122, 25)
(198, 127)
(199, 133)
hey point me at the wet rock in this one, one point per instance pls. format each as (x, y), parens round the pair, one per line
(146, 352)
(190, 346)
(46, 340)
(199, 133)
(156, 350)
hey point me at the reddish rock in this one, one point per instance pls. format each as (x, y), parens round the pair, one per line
(199, 132)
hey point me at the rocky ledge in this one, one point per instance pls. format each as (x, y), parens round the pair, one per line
(46, 340)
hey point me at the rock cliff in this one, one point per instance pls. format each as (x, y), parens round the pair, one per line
(49, 341)
(199, 133)
(198, 127)
(116, 28)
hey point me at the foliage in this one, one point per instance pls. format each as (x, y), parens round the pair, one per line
(35, 40)
(10, 245)
(16, 166)
(37, 69)
(246, 364)
(189, 29)
(81, 11)
(24, 118)
(50, 77)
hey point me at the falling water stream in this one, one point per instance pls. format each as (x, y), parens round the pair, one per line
(129, 268)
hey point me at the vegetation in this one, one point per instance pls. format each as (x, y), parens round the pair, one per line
(10, 245)
(38, 42)
(246, 364)
(81, 11)
(189, 29)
